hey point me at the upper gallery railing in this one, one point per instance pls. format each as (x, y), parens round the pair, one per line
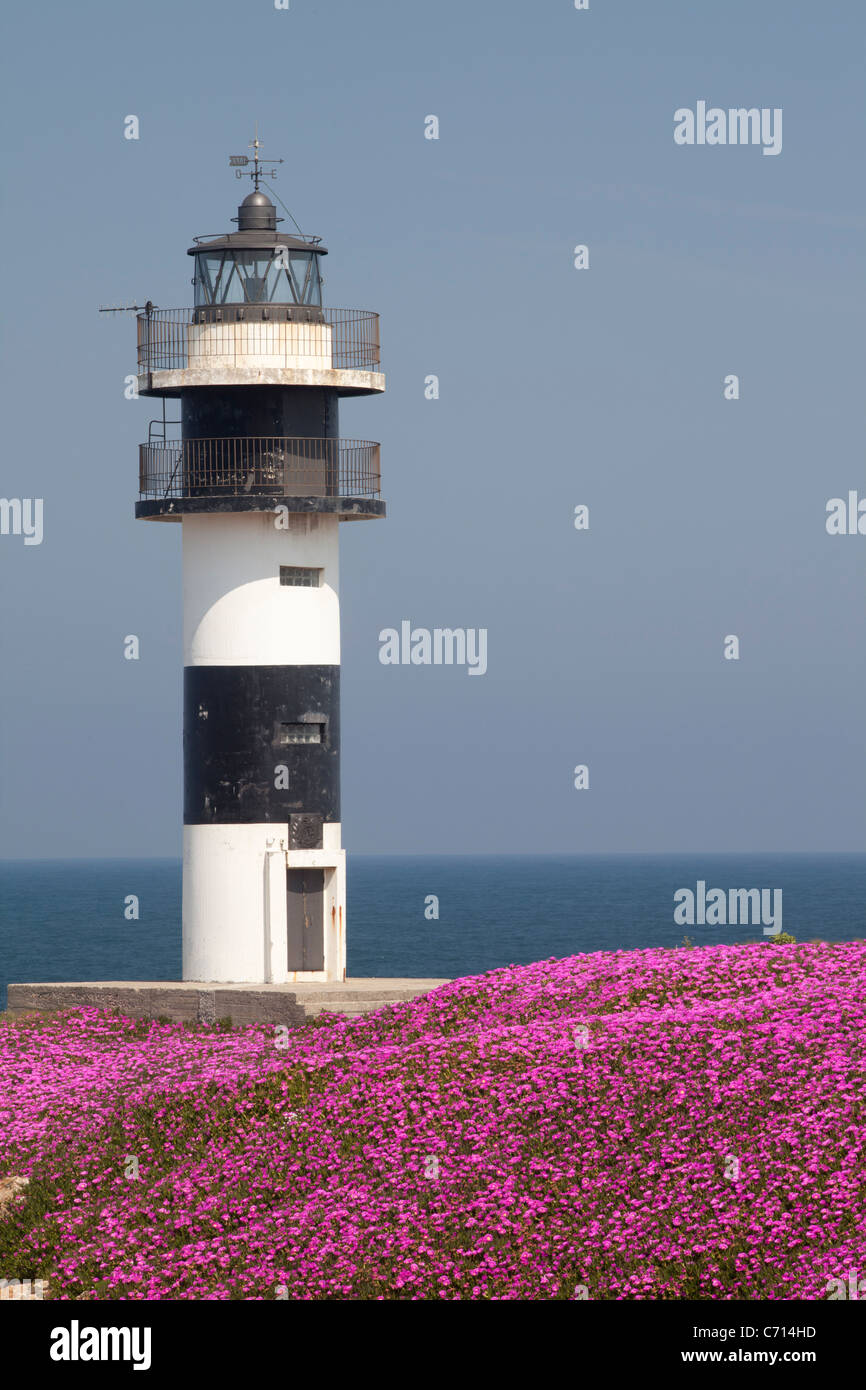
(175, 339)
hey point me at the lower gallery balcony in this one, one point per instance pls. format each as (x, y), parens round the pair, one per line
(259, 474)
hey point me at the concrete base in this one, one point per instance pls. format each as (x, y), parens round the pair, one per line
(186, 1001)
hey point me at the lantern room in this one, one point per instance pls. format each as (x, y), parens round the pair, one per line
(257, 266)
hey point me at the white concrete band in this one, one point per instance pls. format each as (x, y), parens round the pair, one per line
(235, 610)
(235, 907)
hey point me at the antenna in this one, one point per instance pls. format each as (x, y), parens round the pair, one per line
(238, 162)
(147, 308)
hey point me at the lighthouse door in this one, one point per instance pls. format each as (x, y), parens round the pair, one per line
(305, 893)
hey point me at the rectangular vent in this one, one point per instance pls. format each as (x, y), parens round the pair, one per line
(301, 576)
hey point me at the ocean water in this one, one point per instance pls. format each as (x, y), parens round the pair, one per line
(64, 919)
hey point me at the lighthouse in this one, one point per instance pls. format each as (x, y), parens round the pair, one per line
(252, 466)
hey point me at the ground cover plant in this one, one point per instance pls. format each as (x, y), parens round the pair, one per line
(661, 1124)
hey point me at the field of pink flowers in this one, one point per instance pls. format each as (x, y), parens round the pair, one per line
(660, 1124)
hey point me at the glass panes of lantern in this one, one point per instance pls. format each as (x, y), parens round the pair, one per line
(257, 277)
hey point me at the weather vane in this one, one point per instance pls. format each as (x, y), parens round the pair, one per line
(239, 161)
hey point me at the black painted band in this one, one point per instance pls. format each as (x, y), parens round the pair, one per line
(212, 412)
(240, 726)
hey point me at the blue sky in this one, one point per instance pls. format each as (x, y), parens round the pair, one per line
(557, 387)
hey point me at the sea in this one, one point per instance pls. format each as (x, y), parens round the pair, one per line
(430, 915)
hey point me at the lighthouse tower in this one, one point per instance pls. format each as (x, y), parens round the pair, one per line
(260, 479)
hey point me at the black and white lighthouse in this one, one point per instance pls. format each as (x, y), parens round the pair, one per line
(260, 480)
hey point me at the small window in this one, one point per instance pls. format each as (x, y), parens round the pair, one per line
(301, 576)
(307, 732)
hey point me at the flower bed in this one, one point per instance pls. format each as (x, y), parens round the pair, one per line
(635, 1124)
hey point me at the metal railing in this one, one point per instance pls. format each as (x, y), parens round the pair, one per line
(168, 338)
(259, 466)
